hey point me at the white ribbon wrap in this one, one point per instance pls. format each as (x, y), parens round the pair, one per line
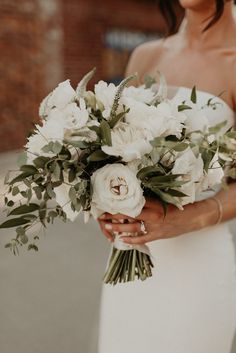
(120, 245)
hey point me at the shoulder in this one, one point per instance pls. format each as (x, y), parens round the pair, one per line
(142, 56)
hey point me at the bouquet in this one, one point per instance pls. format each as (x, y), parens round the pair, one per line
(109, 149)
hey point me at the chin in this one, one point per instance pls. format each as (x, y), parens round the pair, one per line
(197, 4)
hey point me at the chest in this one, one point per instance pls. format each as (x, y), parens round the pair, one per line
(207, 71)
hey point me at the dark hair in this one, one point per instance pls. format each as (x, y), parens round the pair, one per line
(169, 10)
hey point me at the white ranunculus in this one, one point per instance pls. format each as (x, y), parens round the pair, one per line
(192, 168)
(50, 131)
(105, 93)
(116, 189)
(162, 120)
(140, 94)
(128, 142)
(75, 117)
(62, 95)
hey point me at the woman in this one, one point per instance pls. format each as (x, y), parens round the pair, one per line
(189, 305)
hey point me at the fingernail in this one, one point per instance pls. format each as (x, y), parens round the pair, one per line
(108, 226)
(102, 216)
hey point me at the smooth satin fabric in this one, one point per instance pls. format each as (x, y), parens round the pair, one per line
(189, 305)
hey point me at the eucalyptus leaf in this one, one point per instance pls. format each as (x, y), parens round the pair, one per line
(29, 168)
(231, 134)
(97, 156)
(20, 177)
(14, 222)
(24, 209)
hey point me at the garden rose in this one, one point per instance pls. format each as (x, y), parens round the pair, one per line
(116, 189)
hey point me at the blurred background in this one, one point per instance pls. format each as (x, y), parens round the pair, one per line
(50, 300)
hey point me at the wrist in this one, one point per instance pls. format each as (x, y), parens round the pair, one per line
(214, 212)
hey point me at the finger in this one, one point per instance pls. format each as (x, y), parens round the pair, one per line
(107, 234)
(141, 239)
(123, 227)
(118, 216)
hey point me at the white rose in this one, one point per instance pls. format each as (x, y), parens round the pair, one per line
(128, 142)
(62, 95)
(162, 120)
(105, 93)
(116, 189)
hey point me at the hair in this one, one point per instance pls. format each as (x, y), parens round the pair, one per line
(169, 11)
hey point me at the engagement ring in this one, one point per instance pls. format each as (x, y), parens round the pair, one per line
(143, 227)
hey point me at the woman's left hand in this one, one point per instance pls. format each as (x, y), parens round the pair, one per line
(176, 222)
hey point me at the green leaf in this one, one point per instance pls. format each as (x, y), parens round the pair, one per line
(24, 209)
(38, 192)
(50, 191)
(97, 156)
(72, 195)
(71, 175)
(57, 171)
(176, 193)
(29, 169)
(14, 222)
(10, 203)
(33, 247)
(106, 133)
(216, 128)
(144, 172)
(40, 162)
(113, 121)
(20, 177)
(24, 239)
(231, 134)
(194, 95)
(183, 107)
(181, 147)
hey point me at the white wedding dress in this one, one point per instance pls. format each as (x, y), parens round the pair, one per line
(189, 305)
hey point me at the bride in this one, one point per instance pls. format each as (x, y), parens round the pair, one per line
(189, 305)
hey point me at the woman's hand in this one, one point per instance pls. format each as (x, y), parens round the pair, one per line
(176, 222)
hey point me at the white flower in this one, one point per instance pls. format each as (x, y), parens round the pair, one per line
(214, 175)
(129, 142)
(116, 189)
(105, 93)
(75, 117)
(50, 131)
(192, 169)
(140, 94)
(62, 95)
(162, 120)
(196, 118)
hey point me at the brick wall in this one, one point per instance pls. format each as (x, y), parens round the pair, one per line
(28, 64)
(43, 42)
(86, 22)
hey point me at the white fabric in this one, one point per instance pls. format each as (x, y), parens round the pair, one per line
(189, 305)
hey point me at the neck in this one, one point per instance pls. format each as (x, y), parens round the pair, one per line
(196, 21)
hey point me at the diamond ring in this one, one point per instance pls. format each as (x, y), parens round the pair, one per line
(143, 227)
